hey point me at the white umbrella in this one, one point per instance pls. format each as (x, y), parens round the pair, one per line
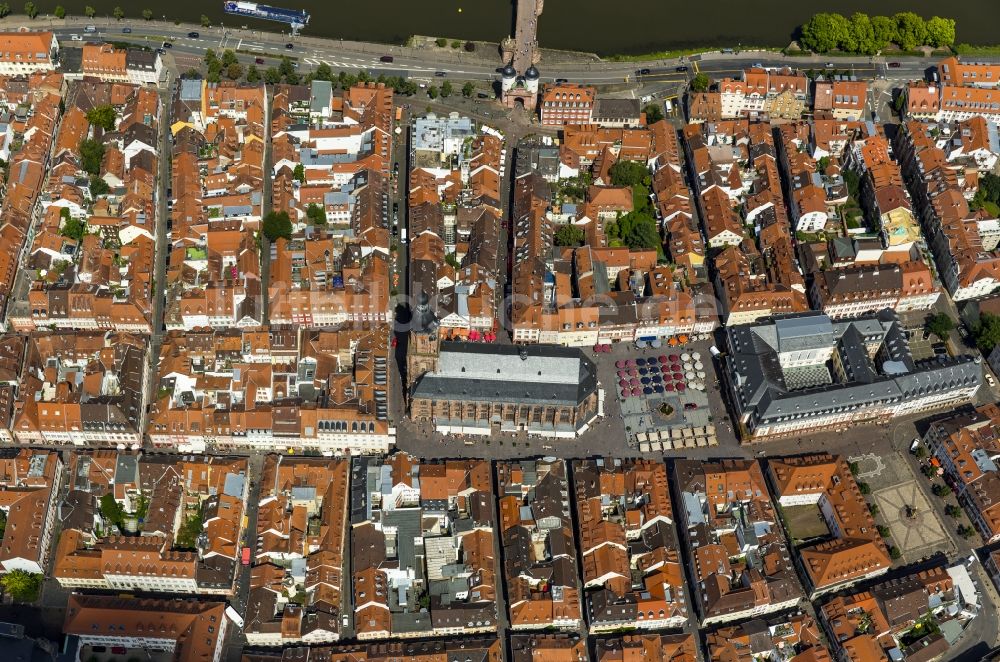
(695, 355)
(689, 375)
(685, 357)
(698, 365)
(688, 365)
(701, 375)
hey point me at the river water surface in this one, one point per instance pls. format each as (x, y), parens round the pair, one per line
(600, 26)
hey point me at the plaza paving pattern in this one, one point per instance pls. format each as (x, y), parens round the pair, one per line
(917, 536)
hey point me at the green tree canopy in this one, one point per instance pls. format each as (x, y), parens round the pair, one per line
(59, 12)
(654, 113)
(825, 31)
(277, 224)
(272, 76)
(103, 116)
(253, 76)
(21, 585)
(228, 57)
(111, 510)
(4, 9)
(940, 325)
(636, 230)
(446, 89)
(234, 71)
(911, 31)
(74, 229)
(569, 235)
(700, 83)
(863, 35)
(147, 14)
(118, 13)
(323, 72)
(432, 92)
(91, 155)
(299, 173)
(629, 173)
(30, 9)
(885, 31)
(89, 11)
(286, 67)
(468, 89)
(940, 31)
(987, 332)
(316, 214)
(206, 22)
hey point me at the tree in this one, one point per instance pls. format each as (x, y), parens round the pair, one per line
(940, 31)
(59, 12)
(98, 186)
(210, 57)
(21, 585)
(940, 490)
(103, 116)
(272, 75)
(863, 34)
(883, 530)
(653, 113)
(825, 32)
(874, 509)
(316, 214)
(234, 71)
(228, 58)
(253, 76)
(921, 452)
(987, 332)
(91, 155)
(299, 173)
(89, 11)
(629, 173)
(446, 89)
(286, 68)
(30, 9)
(569, 235)
(118, 13)
(953, 511)
(884, 29)
(147, 14)
(700, 83)
(470, 46)
(323, 72)
(940, 325)
(468, 89)
(455, 43)
(637, 230)
(4, 9)
(206, 22)
(187, 535)
(432, 92)
(111, 510)
(864, 488)
(911, 31)
(74, 229)
(277, 224)
(894, 553)
(441, 42)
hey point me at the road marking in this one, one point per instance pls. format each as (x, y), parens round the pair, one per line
(695, 63)
(869, 457)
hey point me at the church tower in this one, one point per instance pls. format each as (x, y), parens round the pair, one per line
(425, 343)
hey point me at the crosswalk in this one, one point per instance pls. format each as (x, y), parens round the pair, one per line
(337, 64)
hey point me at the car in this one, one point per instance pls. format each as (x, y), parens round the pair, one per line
(126, 30)
(161, 51)
(482, 95)
(758, 65)
(167, 44)
(562, 80)
(894, 65)
(394, 342)
(691, 406)
(76, 37)
(345, 619)
(989, 380)
(642, 72)
(829, 65)
(193, 35)
(680, 69)
(289, 46)
(386, 58)
(258, 60)
(440, 74)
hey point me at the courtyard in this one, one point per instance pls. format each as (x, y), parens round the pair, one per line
(804, 523)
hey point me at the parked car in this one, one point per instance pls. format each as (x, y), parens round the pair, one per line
(386, 58)
(76, 37)
(167, 44)
(680, 69)
(440, 74)
(989, 380)
(642, 72)
(894, 65)
(758, 65)
(830, 65)
(562, 80)
(691, 405)
(126, 30)
(482, 95)
(258, 60)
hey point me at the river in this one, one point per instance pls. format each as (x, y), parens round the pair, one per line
(642, 26)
